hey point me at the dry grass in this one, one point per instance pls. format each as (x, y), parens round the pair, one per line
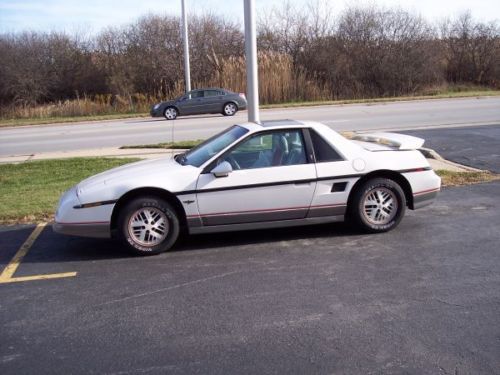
(449, 178)
(280, 84)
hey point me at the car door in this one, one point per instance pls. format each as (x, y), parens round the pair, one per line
(193, 103)
(268, 181)
(213, 101)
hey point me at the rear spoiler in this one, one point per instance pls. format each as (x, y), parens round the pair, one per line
(399, 141)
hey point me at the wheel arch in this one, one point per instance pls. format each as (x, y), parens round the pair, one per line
(147, 191)
(391, 175)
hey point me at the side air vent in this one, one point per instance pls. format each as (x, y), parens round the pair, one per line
(339, 186)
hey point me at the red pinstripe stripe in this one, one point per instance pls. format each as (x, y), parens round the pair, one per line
(426, 191)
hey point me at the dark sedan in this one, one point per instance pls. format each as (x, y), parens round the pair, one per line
(199, 102)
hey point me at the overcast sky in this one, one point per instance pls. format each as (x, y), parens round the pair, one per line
(93, 15)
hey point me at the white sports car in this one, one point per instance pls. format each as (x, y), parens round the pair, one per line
(250, 176)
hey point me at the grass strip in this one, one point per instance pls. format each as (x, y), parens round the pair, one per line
(180, 145)
(30, 191)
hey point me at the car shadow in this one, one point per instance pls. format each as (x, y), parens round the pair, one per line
(54, 247)
(241, 238)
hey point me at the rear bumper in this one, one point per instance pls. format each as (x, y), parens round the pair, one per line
(93, 230)
(424, 198)
(242, 105)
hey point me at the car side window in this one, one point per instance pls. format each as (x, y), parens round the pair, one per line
(269, 149)
(196, 94)
(322, 149)
(211, 93)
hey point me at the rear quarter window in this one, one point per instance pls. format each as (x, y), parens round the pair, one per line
(322, 149)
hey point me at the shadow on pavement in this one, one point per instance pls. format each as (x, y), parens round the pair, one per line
(52, 247)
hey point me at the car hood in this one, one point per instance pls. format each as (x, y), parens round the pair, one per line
(163, 173)
(168, 102)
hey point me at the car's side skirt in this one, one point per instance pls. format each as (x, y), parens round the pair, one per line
(270, 215)
(266, 225)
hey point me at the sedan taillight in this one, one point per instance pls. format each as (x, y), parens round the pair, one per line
(243, 96)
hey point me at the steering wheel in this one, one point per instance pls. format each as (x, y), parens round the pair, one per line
(231, 160)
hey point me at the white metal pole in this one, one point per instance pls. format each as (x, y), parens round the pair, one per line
(251, 59)
(187, 73)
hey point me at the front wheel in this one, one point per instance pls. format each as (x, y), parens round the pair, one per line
(170, 113)
(229, 109)
(148, 226)
(378, 205)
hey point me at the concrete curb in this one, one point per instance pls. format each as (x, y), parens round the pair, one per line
(110, 152)
(439, 163)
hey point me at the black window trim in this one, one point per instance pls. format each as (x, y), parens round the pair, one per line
(212, 164)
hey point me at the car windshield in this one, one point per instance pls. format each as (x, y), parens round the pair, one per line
(212, 146)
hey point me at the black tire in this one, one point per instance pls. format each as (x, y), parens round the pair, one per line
(170, 113)
(229, 109)
(378, 205)
(159, 236)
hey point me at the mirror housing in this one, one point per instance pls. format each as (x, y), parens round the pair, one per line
(222, 170)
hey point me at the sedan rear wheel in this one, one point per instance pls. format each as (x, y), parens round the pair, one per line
(170, 113)
(229, 109)
(148, 226)
(378, 205)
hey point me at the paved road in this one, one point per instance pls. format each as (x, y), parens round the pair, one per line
(403, 115)
(423, 299)
(477, 147)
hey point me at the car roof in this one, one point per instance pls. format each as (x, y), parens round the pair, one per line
(210, 88)
(275, 124)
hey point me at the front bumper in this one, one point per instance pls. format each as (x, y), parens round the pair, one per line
(72, 220)
(94, 230)
(156, 112)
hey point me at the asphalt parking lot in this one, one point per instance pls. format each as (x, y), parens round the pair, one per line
(424, 298)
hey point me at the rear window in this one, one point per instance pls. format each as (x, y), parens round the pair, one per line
(322, 149)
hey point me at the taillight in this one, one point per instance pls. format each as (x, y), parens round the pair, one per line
(243, 96)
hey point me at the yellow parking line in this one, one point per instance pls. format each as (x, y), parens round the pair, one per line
(7, 275)
(38, 277)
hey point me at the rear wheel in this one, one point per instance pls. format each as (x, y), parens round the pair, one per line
(229, 109)
(378, 205)
(170, 113)
(148, 226)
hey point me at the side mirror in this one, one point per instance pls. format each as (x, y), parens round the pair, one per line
(222, 170)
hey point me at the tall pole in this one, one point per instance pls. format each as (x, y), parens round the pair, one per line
(185, 40)
(251, 59)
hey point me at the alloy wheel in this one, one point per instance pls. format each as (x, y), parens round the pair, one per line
(148, 226)
(230, 109)
(380, 206)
